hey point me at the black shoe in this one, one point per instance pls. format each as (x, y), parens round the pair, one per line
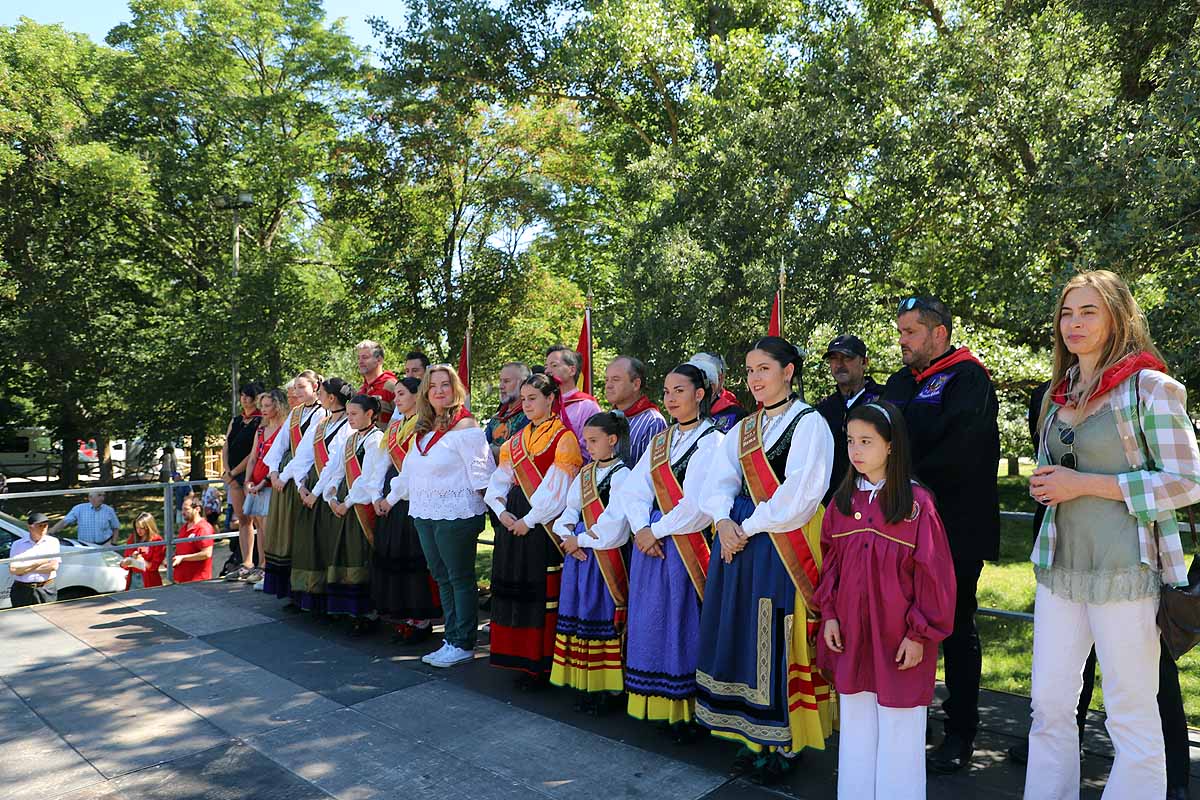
(774, 769)
(1178, 793)
(685, 732)
(952, 755)
(743, 763)
(291, 608)
(1019, 753)
(585, 703)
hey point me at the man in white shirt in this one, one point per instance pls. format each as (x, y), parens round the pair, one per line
(33, 580)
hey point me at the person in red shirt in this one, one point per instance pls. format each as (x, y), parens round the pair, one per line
(377, 382)
(141, 562)
(193, 559)
(886, 598)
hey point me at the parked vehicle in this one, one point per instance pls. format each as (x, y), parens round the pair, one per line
(27, 452)
(78, 575)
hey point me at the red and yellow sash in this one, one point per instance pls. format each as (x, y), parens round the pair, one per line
(366, 512)
(528, 476)
(320, 449)
(792, 546)
(398, 439)
(611, 561)
(692, 547)
(294, 432)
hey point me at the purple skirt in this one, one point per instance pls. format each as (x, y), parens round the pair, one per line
(663, 634)
(585, 606)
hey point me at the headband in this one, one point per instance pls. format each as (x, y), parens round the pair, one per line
(882, 410)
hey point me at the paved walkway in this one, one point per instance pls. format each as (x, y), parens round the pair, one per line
(210, 691)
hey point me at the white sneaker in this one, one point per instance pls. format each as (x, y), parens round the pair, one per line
(258, 587)
(429, 657)
(451, 656)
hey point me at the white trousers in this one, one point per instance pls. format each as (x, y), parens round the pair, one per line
(881, 751)
(1127, 650)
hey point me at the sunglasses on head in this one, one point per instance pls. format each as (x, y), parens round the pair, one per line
(921, 304)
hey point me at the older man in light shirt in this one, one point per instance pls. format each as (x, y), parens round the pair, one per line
(95, 521)
(33, 580)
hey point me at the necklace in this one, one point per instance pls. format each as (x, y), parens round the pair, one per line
(774, 406)
(691, 421)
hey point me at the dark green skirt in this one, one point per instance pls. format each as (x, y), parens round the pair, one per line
(316, 533)
(277, 537)
(348, 573)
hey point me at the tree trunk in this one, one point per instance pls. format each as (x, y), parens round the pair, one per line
(104, 458)
(199, 438)
(68, 434)
(1014, 466)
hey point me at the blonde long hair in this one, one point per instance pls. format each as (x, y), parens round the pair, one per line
(1130, 334)
(144, 522)
(427, 419)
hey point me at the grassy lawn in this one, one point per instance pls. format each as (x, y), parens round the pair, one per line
(1009, 585)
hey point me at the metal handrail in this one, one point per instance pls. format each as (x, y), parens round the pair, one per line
(126, 487)
(115, 548)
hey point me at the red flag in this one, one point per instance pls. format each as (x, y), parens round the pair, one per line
(775, 327)
(584, 348)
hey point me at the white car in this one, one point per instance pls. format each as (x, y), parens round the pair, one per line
(78, 575)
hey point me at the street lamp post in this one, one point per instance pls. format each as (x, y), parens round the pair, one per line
(235, 203)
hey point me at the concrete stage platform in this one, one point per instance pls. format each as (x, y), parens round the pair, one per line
(211, 691)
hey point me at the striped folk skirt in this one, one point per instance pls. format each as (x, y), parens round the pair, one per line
(587, 641)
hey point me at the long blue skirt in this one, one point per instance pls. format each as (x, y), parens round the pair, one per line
(745, 634)
(663, 640)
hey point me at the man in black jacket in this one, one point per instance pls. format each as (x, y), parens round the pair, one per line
(950, 406)
(847, 360)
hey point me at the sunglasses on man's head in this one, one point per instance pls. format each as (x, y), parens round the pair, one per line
(920, 304)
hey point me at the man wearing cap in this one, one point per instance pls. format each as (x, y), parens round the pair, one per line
(33, 581)
(949, 404)
(95, 520)
(725, 410)
(847, 360)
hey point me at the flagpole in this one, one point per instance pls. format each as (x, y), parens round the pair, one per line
(782, 283)
(591, 335)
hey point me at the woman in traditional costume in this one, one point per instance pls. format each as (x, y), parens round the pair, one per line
(758, 626)
(661, 502)
(595, 578)
(257, 504)
(348, 571)
(316, 524)
(280, 526)
(527, 492)
(402, 588)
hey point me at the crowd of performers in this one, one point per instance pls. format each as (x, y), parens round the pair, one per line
(725, 570)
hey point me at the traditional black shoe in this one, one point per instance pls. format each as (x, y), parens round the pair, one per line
(585, 703)
(291, 608)
(685, 732)
(952, 755)
(773, 769)
(743, 763)
(1178, 793)
(1019, 753)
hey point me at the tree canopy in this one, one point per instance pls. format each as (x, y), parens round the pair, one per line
(664, 157)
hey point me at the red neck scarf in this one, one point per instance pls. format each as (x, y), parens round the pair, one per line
(956, 356)
(437, 435)
(727, 400)
(1113, 376)
(643, 403)
(509, 411)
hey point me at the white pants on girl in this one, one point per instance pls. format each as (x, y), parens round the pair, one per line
(881, 751)
(1127, 650)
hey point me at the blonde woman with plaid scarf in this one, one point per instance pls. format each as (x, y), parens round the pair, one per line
(1118, 455)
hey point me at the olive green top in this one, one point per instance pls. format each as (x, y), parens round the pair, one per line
(1096, 559)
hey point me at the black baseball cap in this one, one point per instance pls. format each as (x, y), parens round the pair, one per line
(37, 518)
(847, 345)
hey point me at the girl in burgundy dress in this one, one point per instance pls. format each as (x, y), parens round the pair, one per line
(886, 596)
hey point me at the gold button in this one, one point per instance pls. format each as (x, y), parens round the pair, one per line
(858, 515)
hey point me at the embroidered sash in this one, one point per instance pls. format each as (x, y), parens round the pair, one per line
(693, 549)
(320, 446)
(528, 476)
(793, 546)
(366, 512)
(295, 432)
(398, 439)
(611, 561)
